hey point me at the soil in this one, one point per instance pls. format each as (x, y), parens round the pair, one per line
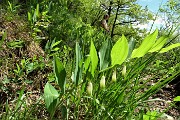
(167, 94)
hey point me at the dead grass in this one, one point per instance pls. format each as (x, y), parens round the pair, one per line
(17, 29)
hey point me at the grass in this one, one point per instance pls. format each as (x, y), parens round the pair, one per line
(47, 75)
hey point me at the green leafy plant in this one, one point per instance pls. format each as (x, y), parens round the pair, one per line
(150, 115)
(114, 100)
(38, 20)
(52, 46)
(34, 15)
(16, 44)
(51, 95)
(12, 6)
(26, 67)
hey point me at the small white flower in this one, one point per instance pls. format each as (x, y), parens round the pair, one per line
(114, 76)
(102, 82)
(124, 71)
(89, 89)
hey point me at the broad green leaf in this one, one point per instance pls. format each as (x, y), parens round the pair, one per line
(177, 98)
(146, 45)
(51, 98)
(104, 54)
(146, 117)
(169, 47)
(60, 73)
(94, 58)
(119, 51)
(159, 44)
(78, 69)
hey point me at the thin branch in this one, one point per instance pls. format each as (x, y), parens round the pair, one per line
(110, 8)
(126, 22)
(114, 24)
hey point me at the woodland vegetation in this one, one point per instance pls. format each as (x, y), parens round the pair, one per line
(88, 59)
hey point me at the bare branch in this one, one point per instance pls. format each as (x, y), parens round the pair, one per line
(126, 22)
(114, 24)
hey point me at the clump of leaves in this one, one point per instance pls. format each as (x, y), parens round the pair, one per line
(117, 100)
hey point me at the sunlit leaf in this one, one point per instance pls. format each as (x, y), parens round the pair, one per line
(29, 17)
(146, 45)
(55, 49)
(159, 44)
(119, 51)
(56, 43)
(150, 115)
(94, 58)
(170, 47)
(51, 98)
(37, 10)
(177, 98)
